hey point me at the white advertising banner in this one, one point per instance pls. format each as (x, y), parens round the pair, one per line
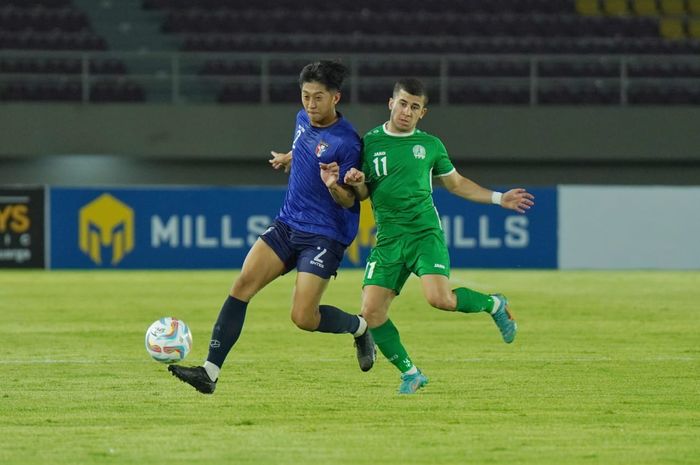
(621, 227)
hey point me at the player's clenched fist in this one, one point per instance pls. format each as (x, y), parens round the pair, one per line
(330, 173)
(354, 177)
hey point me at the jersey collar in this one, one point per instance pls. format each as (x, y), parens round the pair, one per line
(396, 134)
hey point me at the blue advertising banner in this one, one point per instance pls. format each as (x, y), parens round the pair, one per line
(194, 227)
(179, 227)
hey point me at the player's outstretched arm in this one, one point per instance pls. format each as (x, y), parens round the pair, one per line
(515, 199)
(356, 179)
(281, 160)
(343, 195)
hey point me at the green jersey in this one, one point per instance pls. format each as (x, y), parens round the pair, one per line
(398, 171)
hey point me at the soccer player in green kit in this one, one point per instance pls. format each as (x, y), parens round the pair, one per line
(399, 162)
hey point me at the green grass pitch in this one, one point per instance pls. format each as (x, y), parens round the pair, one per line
(605, 370)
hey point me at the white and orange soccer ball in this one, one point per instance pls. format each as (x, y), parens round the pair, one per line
(168, 340)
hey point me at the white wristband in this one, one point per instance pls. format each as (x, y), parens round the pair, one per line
(496, 197)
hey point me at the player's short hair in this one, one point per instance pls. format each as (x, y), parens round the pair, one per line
(329, 73)
(413, 86)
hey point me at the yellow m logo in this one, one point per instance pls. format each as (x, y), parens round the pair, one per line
(103, 222)
(366, 234)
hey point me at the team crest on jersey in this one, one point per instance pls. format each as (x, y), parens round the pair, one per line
(321, 148)
(419, 151)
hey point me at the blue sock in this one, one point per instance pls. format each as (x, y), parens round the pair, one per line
(334, 320)
(226, 330)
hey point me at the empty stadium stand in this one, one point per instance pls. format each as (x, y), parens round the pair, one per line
(41, 35)
(520, 52)
(585, 32)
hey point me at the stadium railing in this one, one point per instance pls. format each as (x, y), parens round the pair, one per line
(204, 77)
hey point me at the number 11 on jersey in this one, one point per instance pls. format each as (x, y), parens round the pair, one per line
(380, 166)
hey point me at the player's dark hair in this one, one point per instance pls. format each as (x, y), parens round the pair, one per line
(413, 86)
(329, 73)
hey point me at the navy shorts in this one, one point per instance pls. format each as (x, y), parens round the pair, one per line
(307, 252)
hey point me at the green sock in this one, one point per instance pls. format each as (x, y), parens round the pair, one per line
(387, 339)
(469, 301)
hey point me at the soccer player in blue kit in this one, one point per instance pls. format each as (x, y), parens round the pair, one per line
(318, 220)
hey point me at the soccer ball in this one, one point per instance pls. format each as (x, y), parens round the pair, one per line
(168, 340)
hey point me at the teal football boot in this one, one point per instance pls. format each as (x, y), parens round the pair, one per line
(411, 383)
(504, 319)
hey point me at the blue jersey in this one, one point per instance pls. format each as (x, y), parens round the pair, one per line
(308, 206)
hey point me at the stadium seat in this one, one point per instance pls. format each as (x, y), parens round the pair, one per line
(285, 92)
(287, 67)
(58, 65)
(29, 40)
(400, 68)
(69, 91)
(580, 68)
(659, 93)
(36, 3)
(616, 7)
(240, 93)
(645, 7)
(491, 93)
(490, 68)
(648, 69)
(116, 91)
(672, 7)
(579, 92)
(107, 66)
(40, 19)
(694, 7)
(373, 92)
(694, 28)
(588, 7)
(672, 28)
(229, 68)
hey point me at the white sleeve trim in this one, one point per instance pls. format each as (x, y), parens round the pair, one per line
(446, 174)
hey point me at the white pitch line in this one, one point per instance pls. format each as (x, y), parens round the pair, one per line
(336, 360)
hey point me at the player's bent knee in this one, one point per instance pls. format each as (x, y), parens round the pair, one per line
(244, 288)
(373, 318)
(374, 322)
(304, 321)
